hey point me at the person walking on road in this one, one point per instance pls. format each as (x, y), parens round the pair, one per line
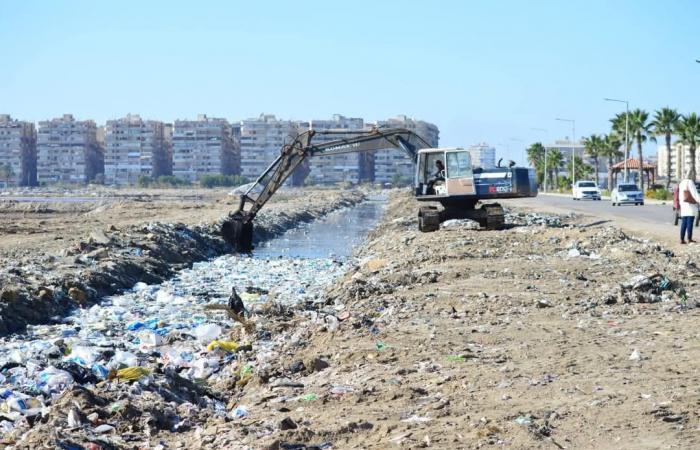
(688, 198)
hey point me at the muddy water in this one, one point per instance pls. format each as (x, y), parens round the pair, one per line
(293, 268)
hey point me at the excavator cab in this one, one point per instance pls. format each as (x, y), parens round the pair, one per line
(456, 178)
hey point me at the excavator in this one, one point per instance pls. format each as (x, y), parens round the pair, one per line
(443, 175)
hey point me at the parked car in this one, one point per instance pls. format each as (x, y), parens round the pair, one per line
(677, 206)
(585, 189)
(627, 193)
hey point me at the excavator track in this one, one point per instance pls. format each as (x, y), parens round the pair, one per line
(428, 219)
(495, 216)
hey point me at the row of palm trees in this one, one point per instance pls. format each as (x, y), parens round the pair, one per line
(641, 128)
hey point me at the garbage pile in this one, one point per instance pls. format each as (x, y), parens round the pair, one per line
(153, 359)
(460, 224)
(536, 219)
(35, 287)
(645, 289)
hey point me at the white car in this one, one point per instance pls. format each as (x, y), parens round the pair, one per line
(586, 189)
(627, 193)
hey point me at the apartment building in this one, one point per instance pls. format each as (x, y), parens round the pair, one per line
(680, 160)
(483, 155)
(262, 139)
(350, 167)
(68, 151)
(134, 147)
(17, 152)
(394, 164)
(204, 147)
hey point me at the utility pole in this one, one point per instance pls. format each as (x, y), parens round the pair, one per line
(573, 149)
(627, 132)
(542, 130)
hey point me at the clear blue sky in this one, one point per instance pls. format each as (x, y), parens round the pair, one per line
(482, 71)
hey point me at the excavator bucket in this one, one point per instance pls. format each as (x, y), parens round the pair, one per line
(237, 230)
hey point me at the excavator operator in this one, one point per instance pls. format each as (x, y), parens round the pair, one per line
(439, 175)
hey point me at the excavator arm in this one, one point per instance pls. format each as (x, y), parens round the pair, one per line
(237, 228)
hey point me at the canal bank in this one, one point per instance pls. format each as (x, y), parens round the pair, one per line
(43, 283)
(160, 351)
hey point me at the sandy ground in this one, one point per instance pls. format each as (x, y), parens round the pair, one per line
(535, 336)
(52, 226)
(469, 339)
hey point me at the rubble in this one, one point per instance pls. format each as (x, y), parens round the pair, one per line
(453, 339)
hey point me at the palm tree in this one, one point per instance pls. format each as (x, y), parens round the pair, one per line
(610, 148)
(619, 127)
(688, 130)
(583, 170)
(641, 130)
(665, 122)
(535, 155)
(554, 161)
(593, 146)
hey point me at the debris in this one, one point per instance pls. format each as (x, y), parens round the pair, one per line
(635, 356)
(524, 420)
(287, 424)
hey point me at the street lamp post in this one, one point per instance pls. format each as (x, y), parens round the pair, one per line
(573, 149)
(627, 131)
(545, 157)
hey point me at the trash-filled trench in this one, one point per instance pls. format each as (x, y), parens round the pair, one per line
(161, 355)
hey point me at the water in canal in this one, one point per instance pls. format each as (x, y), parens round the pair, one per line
(296, 267)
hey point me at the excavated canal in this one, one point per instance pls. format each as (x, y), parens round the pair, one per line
(167, 325)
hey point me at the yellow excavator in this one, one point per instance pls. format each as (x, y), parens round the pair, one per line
(443, 175)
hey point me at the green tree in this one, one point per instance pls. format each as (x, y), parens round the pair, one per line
(594, 146)
(610, 149)
(143, 181)
(664, 124)
(641, 130)
(6, 173)
(555, 159)
(583, 170)
(535, 156)
(688, 131)
(619, 128)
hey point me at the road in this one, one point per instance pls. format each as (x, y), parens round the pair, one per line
(649, 221)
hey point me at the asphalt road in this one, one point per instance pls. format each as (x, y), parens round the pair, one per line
(653, 220)
(654, 213)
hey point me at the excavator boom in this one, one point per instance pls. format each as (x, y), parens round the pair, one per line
(237, 228)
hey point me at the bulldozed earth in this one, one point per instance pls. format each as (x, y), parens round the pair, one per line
(557, 332)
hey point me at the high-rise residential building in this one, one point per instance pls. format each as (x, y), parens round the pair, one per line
(204, 147)
(348, 167)
(262, 140)
(483, 155)
(134, 147)
(393, 164)
(168, 141)
(17, 152)
(680, 160)
(68, 151)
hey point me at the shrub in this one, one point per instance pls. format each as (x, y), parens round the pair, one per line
(211, 181)
(659, 194)
(163, 181)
